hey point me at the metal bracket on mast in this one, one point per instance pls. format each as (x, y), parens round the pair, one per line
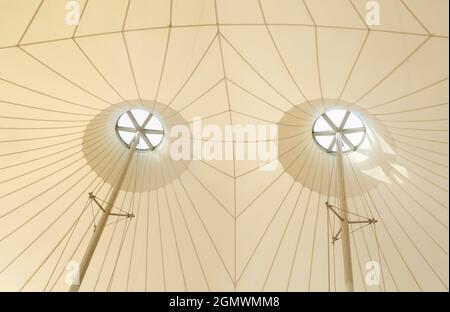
(365, 222)
(97, 200)
(124, 214)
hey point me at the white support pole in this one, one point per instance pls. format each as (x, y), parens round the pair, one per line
(109, 204)
(345, 234)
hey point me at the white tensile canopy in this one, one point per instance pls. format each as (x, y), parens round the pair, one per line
(223, 225)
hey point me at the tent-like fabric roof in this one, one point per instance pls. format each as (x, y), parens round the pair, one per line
(222, 225)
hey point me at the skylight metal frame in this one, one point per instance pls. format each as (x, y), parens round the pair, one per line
(336, 129)
(140, 129)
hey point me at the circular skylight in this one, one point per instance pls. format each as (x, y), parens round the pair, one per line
(142, 123)
(339, 121)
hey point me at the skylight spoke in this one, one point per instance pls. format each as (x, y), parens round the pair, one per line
(330, 122)
(343, 122)
(126, 129)
(354, 130)
(127, 137)
(347, 141)
(324, 133)
(133, 120)
(332, 144)
(144, 124)
(153, 131)
(147, 141)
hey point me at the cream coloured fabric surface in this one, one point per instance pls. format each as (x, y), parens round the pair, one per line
(223, 225)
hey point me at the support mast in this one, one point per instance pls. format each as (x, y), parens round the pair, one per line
(345, 232)
(104, 217)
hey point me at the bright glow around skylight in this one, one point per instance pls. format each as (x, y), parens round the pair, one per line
(339, 121)
(143, 125)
